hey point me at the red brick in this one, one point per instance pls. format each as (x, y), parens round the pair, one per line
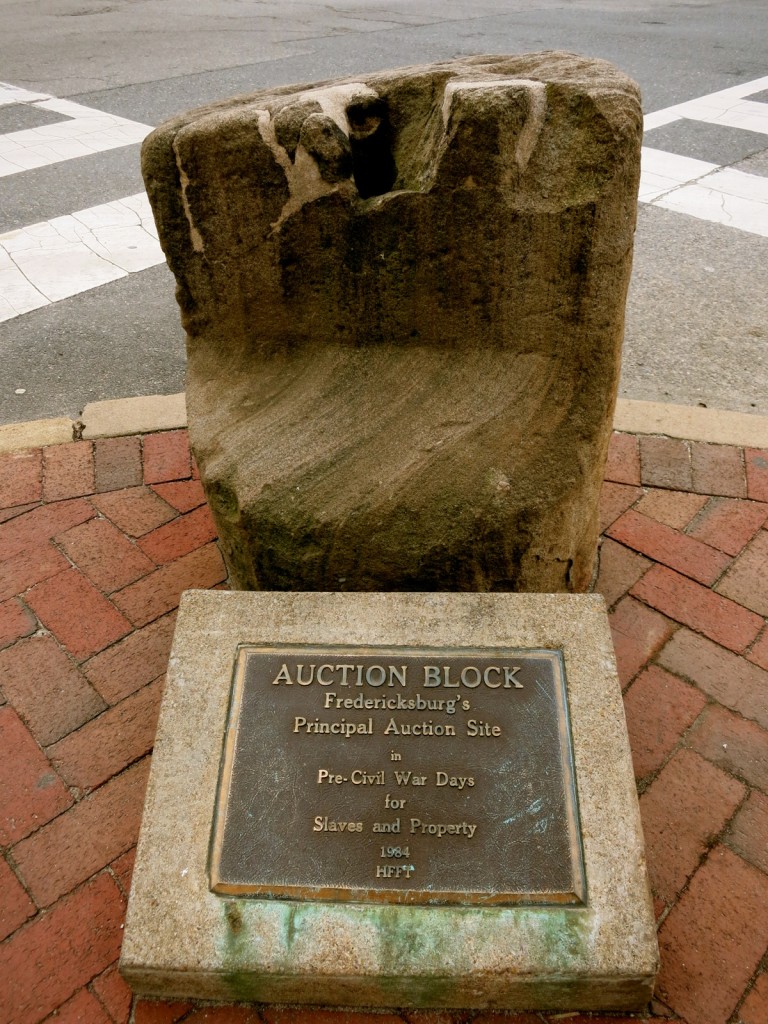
(619, 569)
(659, 1009)
(53, 956)
(114, 994)
(659, 708)
(16, 621)
(250, 1015)
(756, 461)
(31, 793)
(82, 1008)
(84, 839)
(673, 508)
(712, 941)
(82, 619)
(118, 463)
(28, 568)
(178, 538)
(21, 477)
(638, 633)
(184, 495)
(663, 544)
(301, 1015)
(501, 1017)
(748, 834)
(614, 500)
(723, 621)
(122, 869)
(150, 1011)
(46, 688)
(666, 462)
(510, 1017)
(718, 469)
(759, 651)
(15, 906)
(105, 555)
(727, 677)
(623, 465)
(132, 663)
(734, 744)
(41, 524)
(728, 523)
(25, 556)
(754, 1009)
(166, 457)
(159, 593)
(682, 811)
(67, 470)
(107, 744)
(747, 580)
(443, 1017)
(17, 510)
(135, 510)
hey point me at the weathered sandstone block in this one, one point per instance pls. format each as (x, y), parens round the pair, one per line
(404, 301)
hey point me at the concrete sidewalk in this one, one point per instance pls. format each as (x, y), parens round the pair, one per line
(99, 537)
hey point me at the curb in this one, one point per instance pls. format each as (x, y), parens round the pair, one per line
(151, 413)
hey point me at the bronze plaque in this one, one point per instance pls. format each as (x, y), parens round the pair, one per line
(404, 776)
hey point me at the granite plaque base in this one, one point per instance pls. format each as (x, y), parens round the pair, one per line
(420, 800)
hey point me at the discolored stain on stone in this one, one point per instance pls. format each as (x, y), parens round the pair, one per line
(404, 303)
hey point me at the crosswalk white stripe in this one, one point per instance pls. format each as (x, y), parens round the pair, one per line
(708, 191)
(719, 207)
(746, 114)
(712, 106)
(88, 131)
(14, 94)
(56, 259)
(662, 172)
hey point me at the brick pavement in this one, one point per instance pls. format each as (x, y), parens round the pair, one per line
(99, 538)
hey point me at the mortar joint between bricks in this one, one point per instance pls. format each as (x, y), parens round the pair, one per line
(718, 838)
(762, 968)
(702, 513)
(760, 636)
(645, 783)
(10, 861)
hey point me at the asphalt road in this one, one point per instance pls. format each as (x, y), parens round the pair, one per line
(697, 323)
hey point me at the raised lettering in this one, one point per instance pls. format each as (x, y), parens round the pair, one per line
(431, 675)
(299, 673)
(283, 676)
(509, 677)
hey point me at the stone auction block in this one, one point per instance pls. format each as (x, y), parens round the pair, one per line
(404, 302)
(408, 800)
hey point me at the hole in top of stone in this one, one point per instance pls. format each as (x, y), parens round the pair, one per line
(370, 136)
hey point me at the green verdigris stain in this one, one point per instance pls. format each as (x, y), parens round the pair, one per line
(562, 937)
(429, 937)
(406, 939)
(234, 918)
(399, 938)
(239, 954)
(290, 925)
(240, 981)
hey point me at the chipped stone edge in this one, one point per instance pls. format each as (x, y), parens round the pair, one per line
(148, 414)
